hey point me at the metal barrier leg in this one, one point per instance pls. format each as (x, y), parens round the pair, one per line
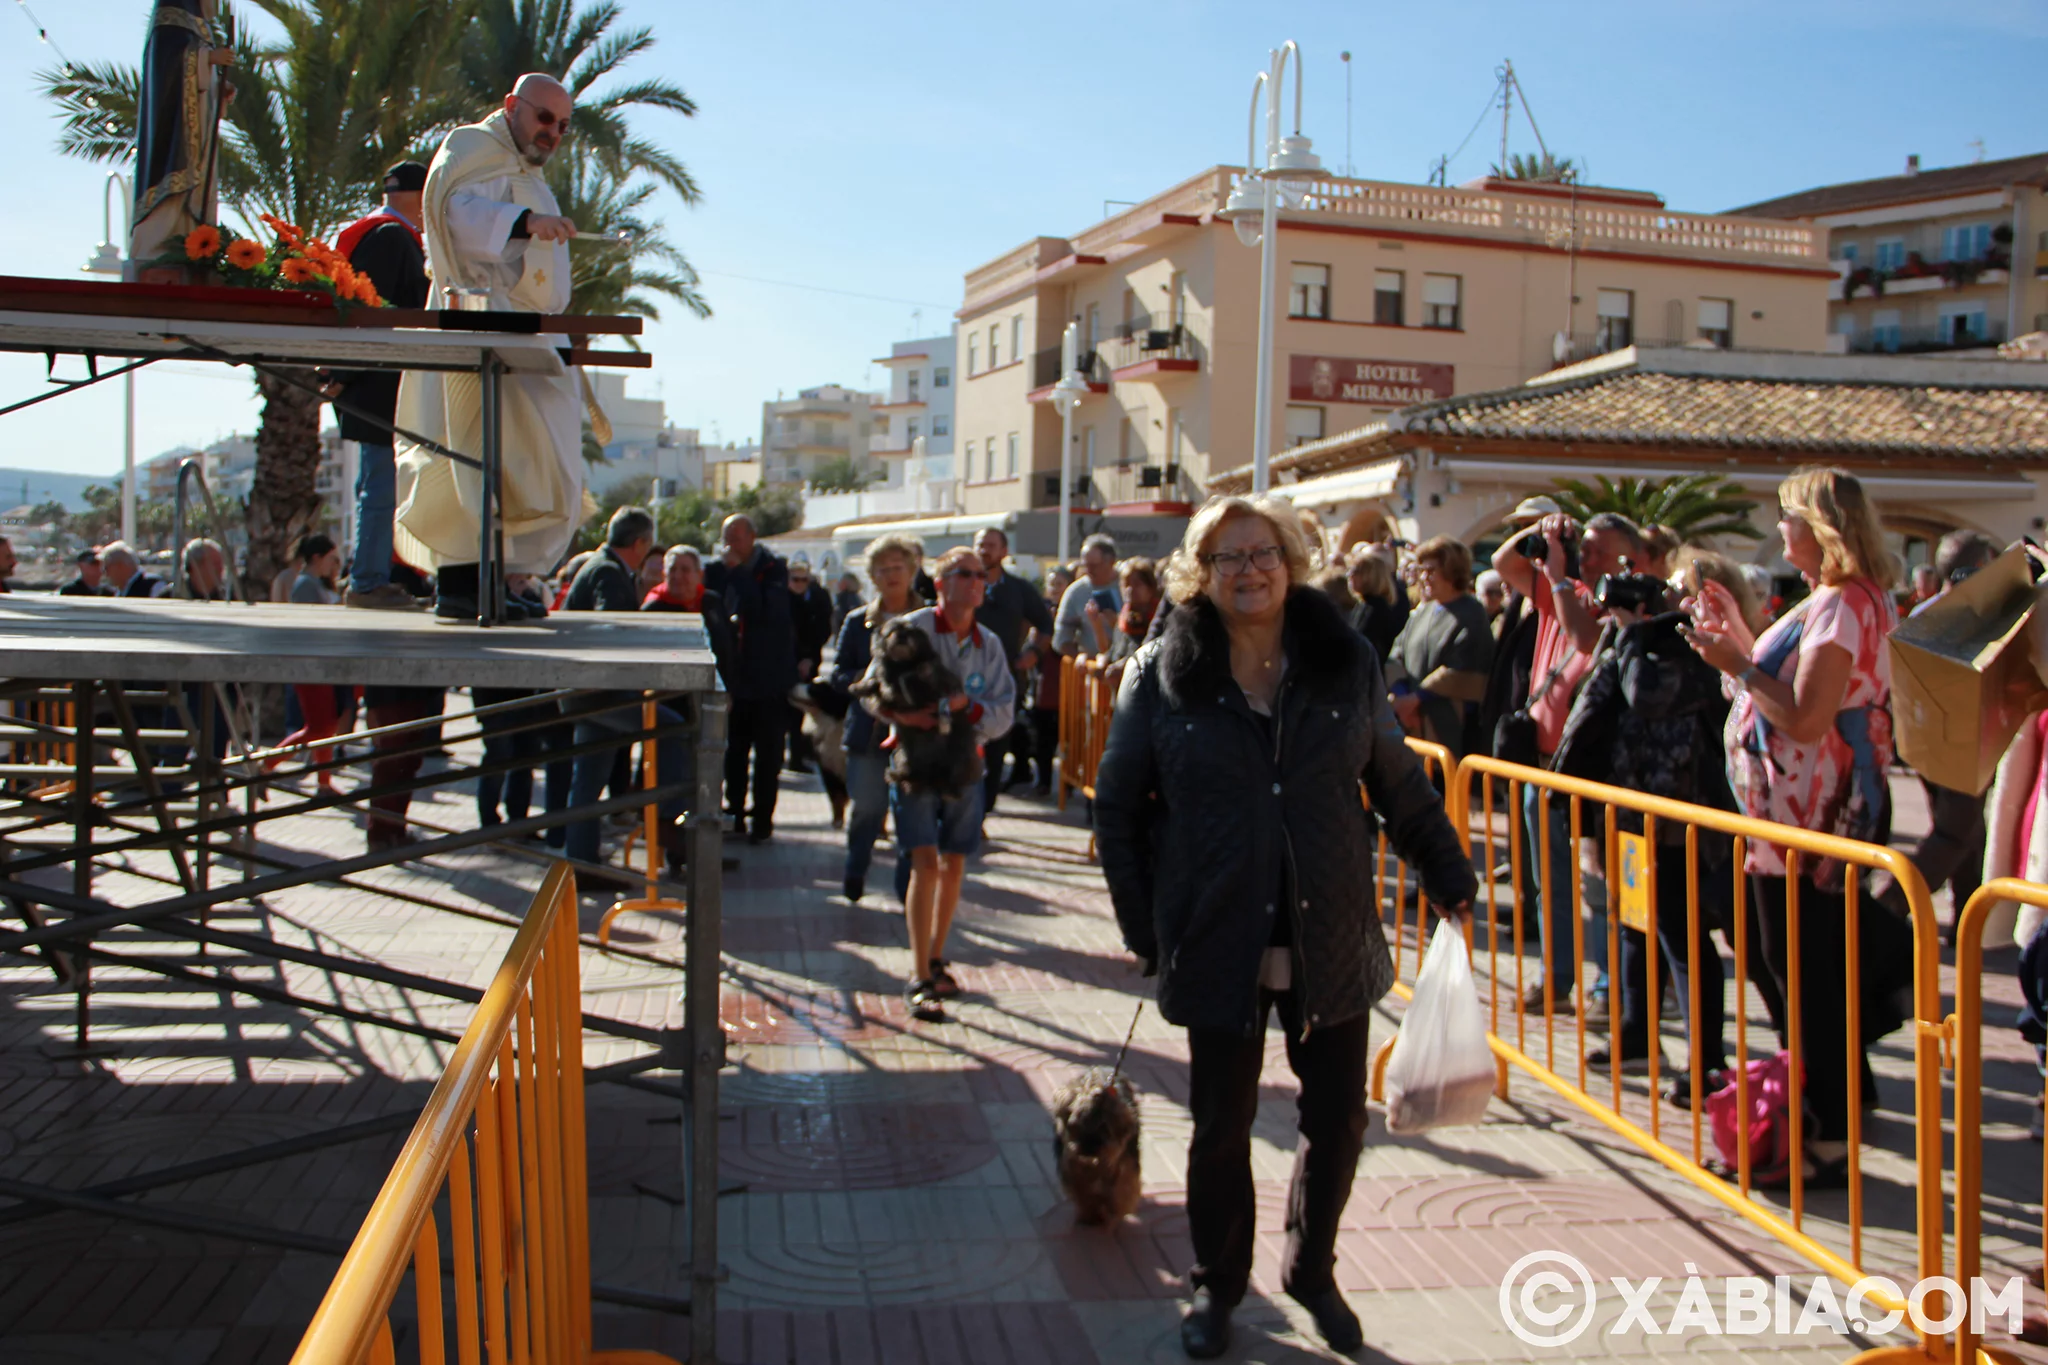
(702, 972)
(82, 818)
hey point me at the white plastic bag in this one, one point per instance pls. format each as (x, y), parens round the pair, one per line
(1441, 1074)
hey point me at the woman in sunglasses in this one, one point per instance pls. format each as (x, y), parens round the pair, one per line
(937, 833)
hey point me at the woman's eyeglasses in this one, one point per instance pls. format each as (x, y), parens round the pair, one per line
(974, 575)
(1231, 563)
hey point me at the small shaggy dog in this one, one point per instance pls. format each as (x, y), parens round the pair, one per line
(1095, 1141)
(942, 761)
(824, 713)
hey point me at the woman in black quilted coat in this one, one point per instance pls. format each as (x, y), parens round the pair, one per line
(1239, 858)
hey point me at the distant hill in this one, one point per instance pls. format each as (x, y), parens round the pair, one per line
(32, 486)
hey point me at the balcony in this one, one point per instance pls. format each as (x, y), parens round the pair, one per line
(1045, 372)
(1148, 346)
(1951, 334)
(1605, 341)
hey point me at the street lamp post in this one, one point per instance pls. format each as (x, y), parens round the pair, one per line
(1066, 396)
(1257, 199)
(107, 261)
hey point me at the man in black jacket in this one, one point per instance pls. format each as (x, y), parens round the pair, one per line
(753, 582)
(1012, 609)
(608, 581)
(387, 247)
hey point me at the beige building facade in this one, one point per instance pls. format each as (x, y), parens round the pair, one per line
(1949, 259)
(1388, 294)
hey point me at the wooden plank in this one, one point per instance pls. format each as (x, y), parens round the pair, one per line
(210, 303)
(610, 360)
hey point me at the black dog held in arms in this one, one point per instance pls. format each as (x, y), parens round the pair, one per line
(943, 761)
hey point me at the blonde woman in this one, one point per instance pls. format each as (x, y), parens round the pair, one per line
(1239, 862)
(1809, 738)
(893, 564)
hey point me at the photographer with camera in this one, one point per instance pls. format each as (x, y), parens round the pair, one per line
(1649, 718)
(1553, 566)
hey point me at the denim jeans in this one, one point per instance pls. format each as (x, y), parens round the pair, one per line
(593, 770)
(376, 502)
(1554, 925)
(867, 789)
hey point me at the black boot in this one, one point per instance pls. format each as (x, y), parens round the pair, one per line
(1204, 1327)
(455, 592)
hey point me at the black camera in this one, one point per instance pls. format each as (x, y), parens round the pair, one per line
(1630, 591)
(1536, 546)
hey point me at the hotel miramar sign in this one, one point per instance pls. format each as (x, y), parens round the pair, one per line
(1374, 383)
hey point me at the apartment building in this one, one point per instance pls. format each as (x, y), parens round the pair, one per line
(1947, 259)
(829, 422)
(1389, 294)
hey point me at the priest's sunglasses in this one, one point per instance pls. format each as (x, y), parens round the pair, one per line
(547, 118)
(1231, 563)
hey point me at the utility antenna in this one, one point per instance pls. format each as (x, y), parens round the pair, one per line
(1351, 170)
(1507, 102)
(1976, 146)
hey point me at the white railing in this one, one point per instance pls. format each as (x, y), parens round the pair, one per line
(1554, 220)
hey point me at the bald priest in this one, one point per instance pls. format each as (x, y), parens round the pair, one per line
(492, 225)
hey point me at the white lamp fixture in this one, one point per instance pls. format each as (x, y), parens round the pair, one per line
(106, 260)
(1066, 396)
(1253, 212)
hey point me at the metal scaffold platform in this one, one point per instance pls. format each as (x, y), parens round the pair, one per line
(126, 732)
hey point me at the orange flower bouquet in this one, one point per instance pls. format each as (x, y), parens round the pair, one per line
(293, 260)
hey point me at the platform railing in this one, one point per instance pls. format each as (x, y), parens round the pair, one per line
(501, 1142)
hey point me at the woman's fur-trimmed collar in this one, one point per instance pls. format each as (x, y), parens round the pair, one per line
(1194, 651)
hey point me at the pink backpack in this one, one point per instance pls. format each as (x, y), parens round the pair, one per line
(1770, 1117)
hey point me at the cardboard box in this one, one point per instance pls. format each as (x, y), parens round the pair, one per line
(1963, 675)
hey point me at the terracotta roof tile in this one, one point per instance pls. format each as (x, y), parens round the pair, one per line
(1938, 183)
(1682, 413)
(1787, 415)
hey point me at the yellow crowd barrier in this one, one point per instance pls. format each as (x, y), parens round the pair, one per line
(1086, 701)
(1485, 798)
(1966, 1027)
(502, 1137)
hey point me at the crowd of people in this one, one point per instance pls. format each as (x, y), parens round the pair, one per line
(1262, 679)
(1227, 803)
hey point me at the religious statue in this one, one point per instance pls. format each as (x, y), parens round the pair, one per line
(177, 170)
(494, 231)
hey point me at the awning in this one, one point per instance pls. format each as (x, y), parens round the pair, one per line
(1369, 481)
(1543, 472)
(924, 528)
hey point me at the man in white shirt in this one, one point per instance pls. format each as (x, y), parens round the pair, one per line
(1070, 630)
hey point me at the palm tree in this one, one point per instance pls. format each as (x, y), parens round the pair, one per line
(318, 114)
(608, 279)
(1695, 506)
(1557, 169)
(574, 44)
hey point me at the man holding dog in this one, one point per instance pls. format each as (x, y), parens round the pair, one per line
(939, 832)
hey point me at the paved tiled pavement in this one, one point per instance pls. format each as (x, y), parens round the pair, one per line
(891, 1188)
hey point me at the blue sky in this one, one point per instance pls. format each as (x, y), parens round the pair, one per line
(884, 149)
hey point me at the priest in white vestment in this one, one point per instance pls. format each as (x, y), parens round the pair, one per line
(491, 223)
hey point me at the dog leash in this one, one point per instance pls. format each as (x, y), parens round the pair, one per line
(1118, 1069)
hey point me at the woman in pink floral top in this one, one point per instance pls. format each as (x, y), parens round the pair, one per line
(1809, 739)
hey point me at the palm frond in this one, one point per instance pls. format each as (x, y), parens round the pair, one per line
(98, 104)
